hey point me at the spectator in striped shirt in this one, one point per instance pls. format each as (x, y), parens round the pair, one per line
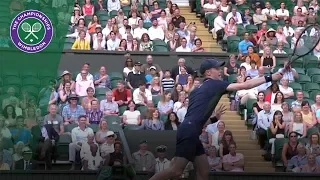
(167, 81)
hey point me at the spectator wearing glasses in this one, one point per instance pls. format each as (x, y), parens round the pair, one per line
(264, 120)
(79, 136)
(290, 149)
(107, 147)
(183, 47)
(72, 111)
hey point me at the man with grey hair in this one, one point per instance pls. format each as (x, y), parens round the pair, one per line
(85, 149)
(297, 161)
(176, 70)
(264, 120)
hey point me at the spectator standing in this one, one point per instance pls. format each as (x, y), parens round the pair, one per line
(136, 77)
(79, 136)
(72, 111)
(94, 114)
(162, 162)
(144, 160)
(100, 6)
(219, 24)
(83, 84)
(108, 106)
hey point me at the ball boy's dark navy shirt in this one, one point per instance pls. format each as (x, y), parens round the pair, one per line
(199, 101)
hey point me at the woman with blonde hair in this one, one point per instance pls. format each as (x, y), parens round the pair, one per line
(155, 87)
(165, 105)
(102, 132)
(268, 60)
(66, 76)
(298, 126)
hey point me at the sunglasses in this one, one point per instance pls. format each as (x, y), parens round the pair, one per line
(293, 136)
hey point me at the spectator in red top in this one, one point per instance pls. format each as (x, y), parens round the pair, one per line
(263, 30)
(270, 96)
(88, 8)
(121, 95)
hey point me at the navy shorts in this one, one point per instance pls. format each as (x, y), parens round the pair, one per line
(189, 147)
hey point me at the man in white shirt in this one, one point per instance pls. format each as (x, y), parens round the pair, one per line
(210, 7)
(219, 23)
(285, 89)
(79, 136)
(183, 47)
(264, 120)
(125, 29)
(162, 162)
(289, 73)
(269, 12)
(287, 30)
(113, 42)
(137, 32)
(182, 111)
(155, 31)
(85, 67)
(113, 5)
(142, 96)
(236, 15)
(85, 148)
(93, 161)
(106, 31)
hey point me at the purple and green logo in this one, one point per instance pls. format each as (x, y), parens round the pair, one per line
(31, 31)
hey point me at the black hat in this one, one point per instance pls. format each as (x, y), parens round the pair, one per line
(138, 63)
(73, 96)
(210, 63)
(161, 148)
(143, 141)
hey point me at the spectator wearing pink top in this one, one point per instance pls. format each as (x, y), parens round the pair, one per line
(233, 161)
(83, 84)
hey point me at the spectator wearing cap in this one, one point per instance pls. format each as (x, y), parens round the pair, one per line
(6, 154)
(48, 95)
(113, 5)
(149, 63)
(113, 42)
(142, 96)
(120, 94)
(72, 111)
(140, 30)
(107, 147)
(26, 162)
(108, 106)
(94, 114)
(76, 16)
(177, 18)
(79, 136)
(177, 69)
(83, 84)
(155, 32)
(152, 75)
(64, 16)
(136, 76)
(92, 161)
(162, 162)
(102, 80)
(183, 47)
(86, 67)
(144, 160)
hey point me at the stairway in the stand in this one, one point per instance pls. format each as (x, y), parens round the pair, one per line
(208, 43)
(254, 161)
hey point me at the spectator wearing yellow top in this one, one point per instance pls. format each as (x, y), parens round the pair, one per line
(81, 43)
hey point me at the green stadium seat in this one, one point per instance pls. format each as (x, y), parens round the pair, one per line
(295, 86)
(311, 131)
(278, 144)
(311, 86)
(12, 81)
(113, 13)
(122, 109)
(101, 97)
(297, 63)
(94, 127)
(313, 94)
(101, 91)
(289, 101)
(29, 74)
(159, 43)
(104, 18)
(210, 17)
(233, 42)
(115, 76)
(160, 49)
(87, 19)
(31, 81)
(65, 139)
(306, 94)
(310, 61)
(147, 25)
(300, 70)
(155, 100)
(273, 24)
(69, 40)
(129, 127)
(313, 71)
(142, 109)
(32, 90)
(69, 127)
(102, 13)
(303, 79)
(316, 78)
(67, 45)
(249, 106)
(114, 83)
(251, 28)
(310, 101)
(47, 74)
(7, 73)
(232, 78)
(114, 123)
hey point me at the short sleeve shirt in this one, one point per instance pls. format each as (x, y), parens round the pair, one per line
(200, 103)
(56, 121)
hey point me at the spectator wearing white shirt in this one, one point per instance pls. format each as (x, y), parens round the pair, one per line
(282, 13)
(269, 12)
(142, 96)
(219, 24)
(125, 29)
(113, 5)
(155, 31)
(86, 67)
(162, 162)
(137, 32)
(106, 31)
(79, 135)
(178, 104)
(264, 120)
(246, 94)
(258, 17)
(85, 148)
(287, 30)
(113, 42)
(133, 21)
(93, 161)
(236, 16)
(99, 43)
(182, 111)
(279, 49)
(131, 115)
(285, 89)
(289, 73)
(183, 47)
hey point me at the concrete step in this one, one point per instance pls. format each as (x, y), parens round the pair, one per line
(250, 152)
(234, 122)
(241, 146)
(258, 164)
(260, 169)
(253, 158)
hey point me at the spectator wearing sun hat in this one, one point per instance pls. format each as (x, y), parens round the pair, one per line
(162, 162)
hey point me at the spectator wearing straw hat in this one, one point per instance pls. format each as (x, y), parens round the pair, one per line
(66, 76)
(161, 162)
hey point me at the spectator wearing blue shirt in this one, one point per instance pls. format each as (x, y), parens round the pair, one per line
(253, 72)
(19, 133)
(243, 45)
(295, 163)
